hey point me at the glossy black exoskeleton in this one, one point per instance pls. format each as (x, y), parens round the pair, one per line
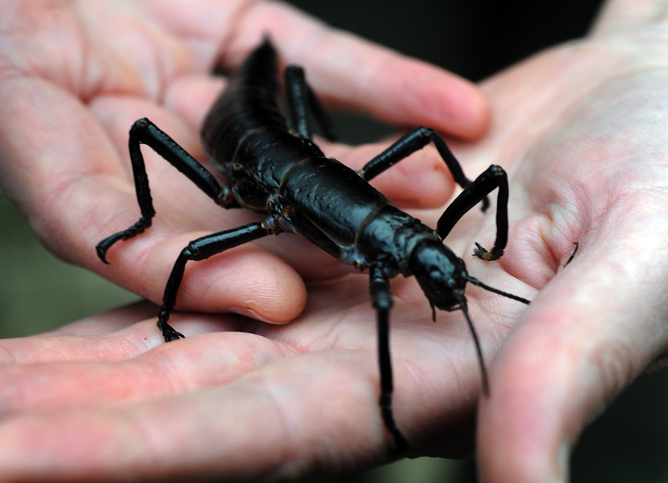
(275, 168)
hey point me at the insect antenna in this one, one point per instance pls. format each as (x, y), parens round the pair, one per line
(496, 290)
(478, 348)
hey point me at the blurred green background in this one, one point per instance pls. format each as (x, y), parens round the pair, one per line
(474, 39)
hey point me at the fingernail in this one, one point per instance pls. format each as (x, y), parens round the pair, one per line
(563, 459)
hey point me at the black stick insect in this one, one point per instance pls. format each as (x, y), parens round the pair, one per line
(275, 168)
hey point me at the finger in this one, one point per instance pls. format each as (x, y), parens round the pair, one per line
(124, 370)
(247, 280)
(191, 98)
(353, 73)
(250, 429)
(181, 206)
(584, 339)
(116, 335)
(104, 323)
(66, 345)
(420, 181)
(69, 193)
(344, 69)
(37, 167)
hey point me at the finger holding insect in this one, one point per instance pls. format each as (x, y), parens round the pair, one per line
(58, 102)
(86, 175)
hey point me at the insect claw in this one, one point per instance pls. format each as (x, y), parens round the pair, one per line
(174, 335)
(482, 253)
(105, 244)
(102, 254)
(170, 334)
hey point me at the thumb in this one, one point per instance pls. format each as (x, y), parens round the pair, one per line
(584, 339)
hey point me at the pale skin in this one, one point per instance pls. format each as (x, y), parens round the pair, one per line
(582, 132)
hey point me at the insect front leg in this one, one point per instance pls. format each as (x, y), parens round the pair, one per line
(409, 143)
(382, 302)
(144, 131)
(492, 178)
(300, 96)
(201, 249)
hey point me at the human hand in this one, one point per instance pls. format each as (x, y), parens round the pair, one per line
(76, 75)
(237, 399)
(583, 130)
(580, 129)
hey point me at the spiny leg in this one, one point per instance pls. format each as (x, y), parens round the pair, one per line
(492, 178)
(201, 249)
(382, 302)
(409, 143)
(300, 95)
(144, 131)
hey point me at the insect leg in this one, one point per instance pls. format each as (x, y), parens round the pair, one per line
(493, 177)
(570, 259)
(409, 143)
(201, 249)
(144, 131)
(382, 302)
(299, 94)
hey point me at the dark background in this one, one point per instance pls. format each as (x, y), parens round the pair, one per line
(475, 40)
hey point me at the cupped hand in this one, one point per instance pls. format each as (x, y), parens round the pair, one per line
(583, 129)
(238, 399)
(75, 75)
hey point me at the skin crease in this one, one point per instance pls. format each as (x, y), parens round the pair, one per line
(580, 129)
